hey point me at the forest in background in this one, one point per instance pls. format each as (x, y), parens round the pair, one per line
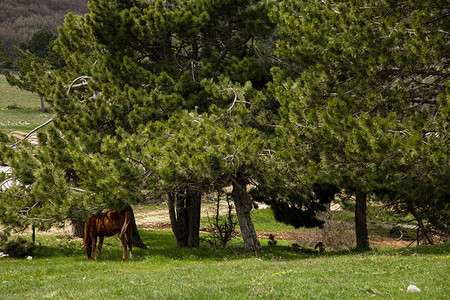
(20, 19)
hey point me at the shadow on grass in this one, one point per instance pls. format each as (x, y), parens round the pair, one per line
(162, 246)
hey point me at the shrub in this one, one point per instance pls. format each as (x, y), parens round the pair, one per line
(16, 246)
(4, 235)
(222, 228)
(13, 106)
(335, 234)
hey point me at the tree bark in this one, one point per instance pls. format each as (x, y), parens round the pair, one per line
(362, 235)
(76, 217)
(78, 228)
(41, 97)
(194, 204)
(184, 212)
(419, 220)
(243, 205)
(135, 236)
(177, 219)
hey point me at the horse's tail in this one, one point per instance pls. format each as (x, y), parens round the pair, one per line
(126, 222)
(87, 239)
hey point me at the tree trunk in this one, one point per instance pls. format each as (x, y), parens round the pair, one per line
(362, 235)
(193, 203)
(184, 212)
(78, 228)
(177, 219)
(135, 236)
(76, 217)
(243, 205)
(41, 97)
(419, 220)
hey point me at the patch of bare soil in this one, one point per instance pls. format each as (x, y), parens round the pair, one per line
(379, 240)
(152, 219)
(309, 238)
(159, 218)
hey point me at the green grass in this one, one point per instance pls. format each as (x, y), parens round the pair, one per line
(60, 270)
(24, 118)
(263, 219)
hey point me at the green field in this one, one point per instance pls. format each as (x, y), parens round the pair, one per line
(60, 270)
(26, 113)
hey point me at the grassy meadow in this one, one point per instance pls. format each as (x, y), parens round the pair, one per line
(19, 110)
(59, 270)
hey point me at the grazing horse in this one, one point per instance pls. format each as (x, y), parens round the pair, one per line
(107, 224)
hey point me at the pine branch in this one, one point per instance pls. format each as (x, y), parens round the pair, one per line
(34, 130)
(72, 85)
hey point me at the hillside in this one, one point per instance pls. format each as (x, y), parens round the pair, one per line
(20, 19)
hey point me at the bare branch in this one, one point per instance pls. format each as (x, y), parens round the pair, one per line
(34, 130)
(78, 85)
(78, 190)
(235, 99)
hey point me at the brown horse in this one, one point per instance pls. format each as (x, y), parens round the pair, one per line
(107, 224)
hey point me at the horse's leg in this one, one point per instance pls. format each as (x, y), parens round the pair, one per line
(123, 240)
(130, 241)
(100, 244)
(94, 245)
(91, 246)
(130, 245)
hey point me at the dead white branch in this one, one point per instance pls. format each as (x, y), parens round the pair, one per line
(235, 100)
(78, 190)
(72, 85)
(267, 152)
(34, 130)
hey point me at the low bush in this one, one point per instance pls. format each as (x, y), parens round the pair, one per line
(336, 234)
(16, 246)
(13, 106)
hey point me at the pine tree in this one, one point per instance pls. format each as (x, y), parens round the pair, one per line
(38, 50)
(363, 98)
(139, 77)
